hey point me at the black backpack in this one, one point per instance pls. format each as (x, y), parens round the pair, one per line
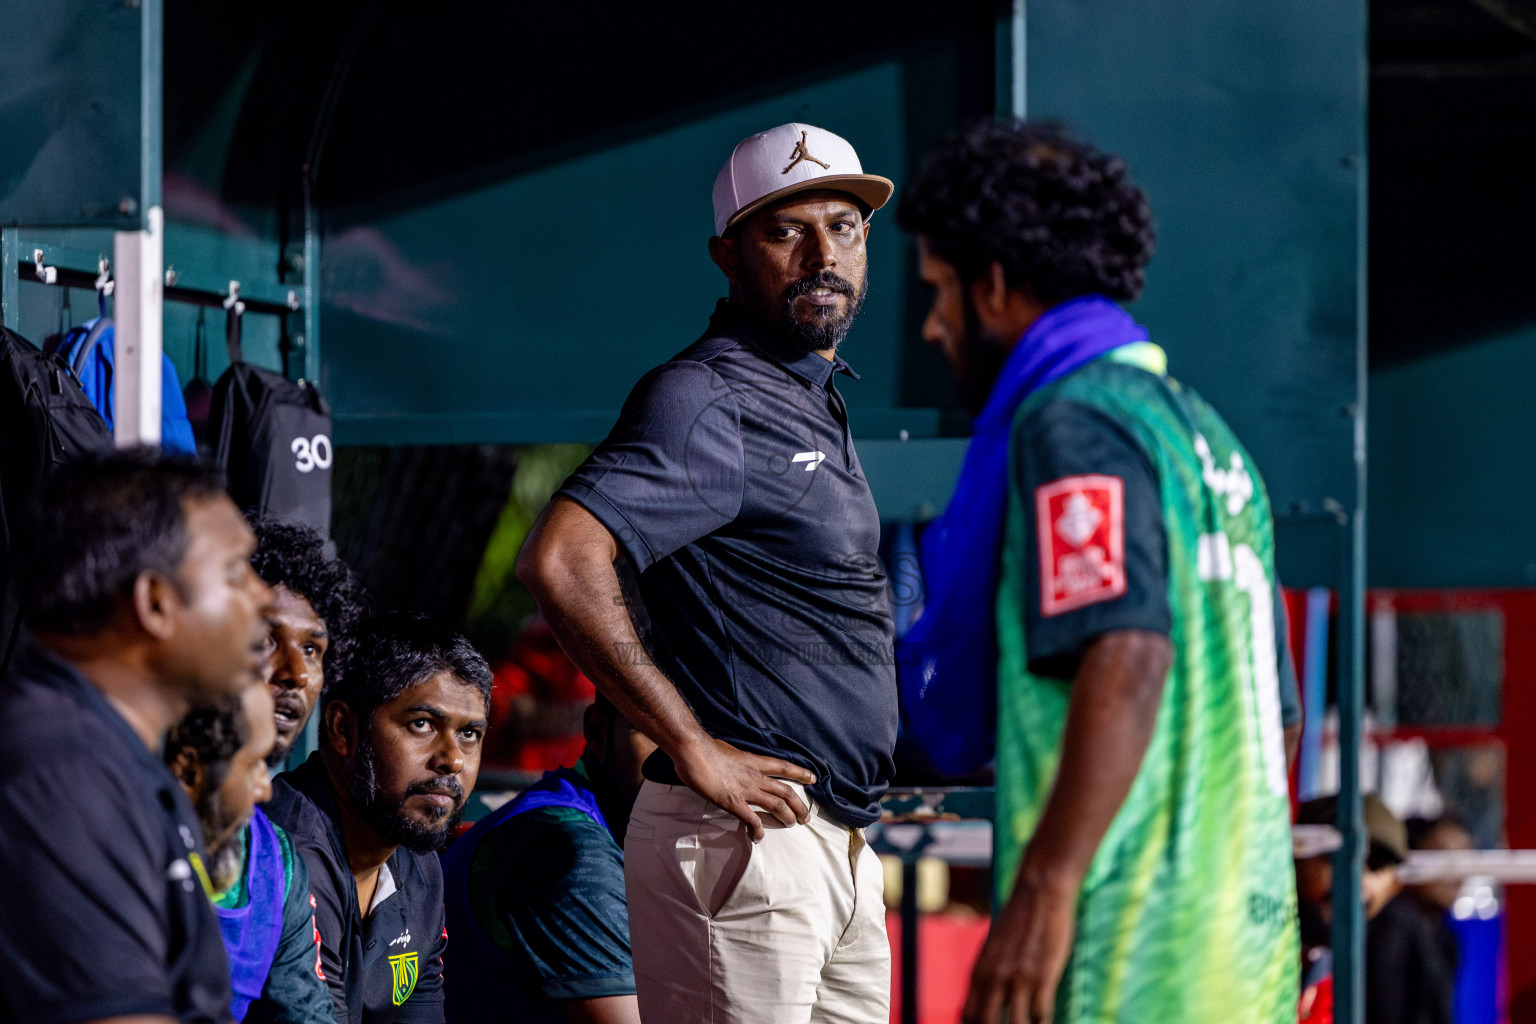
(272, 441)
(45, 421)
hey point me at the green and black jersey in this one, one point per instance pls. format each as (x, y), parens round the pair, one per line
(1133, 506)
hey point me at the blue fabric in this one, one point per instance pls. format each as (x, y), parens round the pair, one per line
(251, 933)
(560, 788)
(949, 693)
(96, 381)
(1479, 987)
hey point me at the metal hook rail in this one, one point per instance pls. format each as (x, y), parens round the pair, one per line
(46, 273)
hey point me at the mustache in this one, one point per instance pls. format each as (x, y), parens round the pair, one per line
(820, 279)
(290, 702)
(446, 786)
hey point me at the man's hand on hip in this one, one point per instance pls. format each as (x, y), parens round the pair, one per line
(1020, 965)
(736, 780)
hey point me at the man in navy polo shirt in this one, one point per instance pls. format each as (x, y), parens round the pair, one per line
(138, 590)
(400, 737)
(767, 677)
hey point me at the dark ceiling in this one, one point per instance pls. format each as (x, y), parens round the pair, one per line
(390, 103)
(1453, 163)
(394, 102)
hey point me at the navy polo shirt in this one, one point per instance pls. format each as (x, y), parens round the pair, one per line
(731, 482)
(104, 912)
(383, 968)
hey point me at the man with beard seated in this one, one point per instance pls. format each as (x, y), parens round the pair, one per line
(400, 738)
(261, 888)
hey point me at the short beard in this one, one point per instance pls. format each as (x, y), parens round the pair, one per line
(393, 823)
(224, 862)
(984, 360)
(280, 751)
(825, 330)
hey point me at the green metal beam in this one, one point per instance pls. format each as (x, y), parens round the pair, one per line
(151, 103)
(10, 281)
(1010, 80)
(1349, 860)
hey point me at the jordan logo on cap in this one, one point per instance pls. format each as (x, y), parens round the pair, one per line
(801, 153)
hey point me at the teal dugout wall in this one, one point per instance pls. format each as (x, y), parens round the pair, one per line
(525, 309)
(73, 115)
(1453, 470)
(91, 141)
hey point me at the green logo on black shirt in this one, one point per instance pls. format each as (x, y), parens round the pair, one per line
(404, 969)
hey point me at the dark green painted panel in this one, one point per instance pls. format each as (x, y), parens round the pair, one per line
(1244, 124)
(70, 112)
(1453, 472)
(911, 480)
(553, 292)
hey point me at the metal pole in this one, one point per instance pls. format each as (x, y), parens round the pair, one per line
(909, 924)
(1348, 914)
(1009, 41)
(138, 260)
(311, 288)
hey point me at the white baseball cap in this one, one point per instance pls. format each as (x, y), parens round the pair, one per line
(788, 159)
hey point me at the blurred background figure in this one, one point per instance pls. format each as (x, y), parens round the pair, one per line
(538, 697)
(1406, 978)
(260, 886)
(1313, 846)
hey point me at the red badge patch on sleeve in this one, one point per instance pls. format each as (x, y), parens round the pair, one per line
(1081, 526)
(313, 924)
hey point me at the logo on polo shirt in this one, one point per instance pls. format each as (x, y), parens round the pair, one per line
(404, 968)
(814, 458)
(403, 939)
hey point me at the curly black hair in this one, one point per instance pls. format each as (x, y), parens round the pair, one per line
(214, 734)
(1062, 218)
(293, 556)
(397, 650)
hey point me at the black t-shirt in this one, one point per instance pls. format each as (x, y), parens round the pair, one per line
(1064, 438)
(547, 890)
(1407, 980)
(388, 966)
(731, 482)
(104, 912)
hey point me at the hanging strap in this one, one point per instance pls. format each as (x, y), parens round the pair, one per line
(232, 333)
(200, 346)
(102, 325)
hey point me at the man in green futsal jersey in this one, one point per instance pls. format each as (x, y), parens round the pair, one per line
(1109, 553)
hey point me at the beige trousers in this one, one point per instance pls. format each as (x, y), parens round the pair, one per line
(787, 931)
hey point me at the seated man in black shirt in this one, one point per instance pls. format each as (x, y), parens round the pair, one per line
(400, 737)
(535, 892)
(138, 590)
(260, 885)
(317, 603)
